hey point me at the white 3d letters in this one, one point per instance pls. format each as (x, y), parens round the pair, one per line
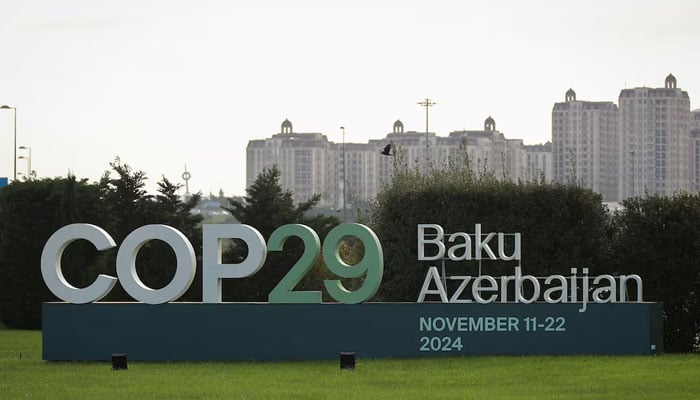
(51, 263)
(126, 264)
(215, 271)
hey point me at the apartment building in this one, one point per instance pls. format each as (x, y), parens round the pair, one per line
(349, 173)
(307, 162)
(695, 149)
(655, 152)
(538, 162)
(585, 140)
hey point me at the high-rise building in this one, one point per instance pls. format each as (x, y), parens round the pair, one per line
(538, 162)
(489, 152)
(307, 162)
(695, 149)
(362, 171)
(585, 140)
(408, 149)
(655, 151)
(310, 164)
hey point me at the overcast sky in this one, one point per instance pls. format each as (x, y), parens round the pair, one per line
(162, 84)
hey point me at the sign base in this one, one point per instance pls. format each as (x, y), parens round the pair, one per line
(261, 331)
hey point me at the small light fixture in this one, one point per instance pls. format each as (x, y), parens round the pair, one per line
(347, 360)
(119, 361)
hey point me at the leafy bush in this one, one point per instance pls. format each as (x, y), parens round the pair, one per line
(659, 239)
(562, 226)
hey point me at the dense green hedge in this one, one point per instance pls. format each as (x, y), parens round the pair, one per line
(29, 214)
(561, 226)
(659, 239)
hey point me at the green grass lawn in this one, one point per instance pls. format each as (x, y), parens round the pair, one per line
(574, 377)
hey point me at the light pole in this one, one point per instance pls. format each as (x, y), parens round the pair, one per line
(14, 146)
(345, 209)
(29, 161)
(633, 172)
(427, 103)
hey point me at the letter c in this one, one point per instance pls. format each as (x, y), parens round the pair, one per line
(51, 263)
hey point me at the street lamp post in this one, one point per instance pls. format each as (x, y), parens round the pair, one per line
(14, 146)
(345, 209)
(633, 172)
(29, 161)
(427, 103)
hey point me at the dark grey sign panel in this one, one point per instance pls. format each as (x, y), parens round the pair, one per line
(258, 331)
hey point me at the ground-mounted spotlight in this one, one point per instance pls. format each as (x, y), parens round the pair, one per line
(347, 360)
(118, 361)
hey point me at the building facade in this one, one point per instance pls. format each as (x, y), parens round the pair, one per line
(695, 149)
(345, 174)
(538, 162)
(655, 151)
(488, 151)
(585, 140)
(307, 162)
(647, 144)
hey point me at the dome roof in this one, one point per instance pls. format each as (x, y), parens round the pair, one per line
(671, 81)
(489, 124)
(286, 126)
(398, 126)
(570, 95)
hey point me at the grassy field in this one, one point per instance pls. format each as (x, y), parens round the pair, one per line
(23, 375)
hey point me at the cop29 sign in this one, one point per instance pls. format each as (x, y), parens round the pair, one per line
(483, 314)
(371, 267)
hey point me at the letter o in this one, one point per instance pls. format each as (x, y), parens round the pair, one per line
(126, 264)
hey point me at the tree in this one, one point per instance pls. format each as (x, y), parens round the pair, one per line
(30, 212)
(126, 199)
(562, 226)
(129, 207)
(659, 239)
(156, 260)
(266, 207)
